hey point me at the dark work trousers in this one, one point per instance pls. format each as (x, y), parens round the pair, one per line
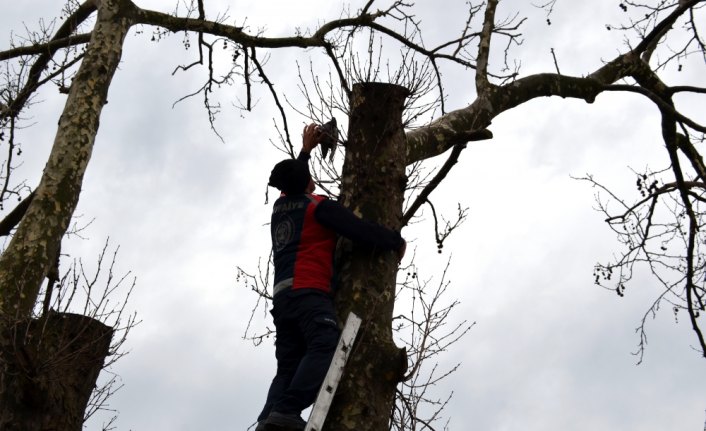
(306, 339)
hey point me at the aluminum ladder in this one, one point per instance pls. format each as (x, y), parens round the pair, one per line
(333, 376)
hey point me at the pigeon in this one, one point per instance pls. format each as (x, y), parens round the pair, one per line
(329, 138)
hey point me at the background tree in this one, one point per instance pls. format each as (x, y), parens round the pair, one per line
(25, 263)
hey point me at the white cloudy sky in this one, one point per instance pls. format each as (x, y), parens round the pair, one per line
(549, 351)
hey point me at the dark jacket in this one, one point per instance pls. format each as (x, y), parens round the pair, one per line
(304, 231)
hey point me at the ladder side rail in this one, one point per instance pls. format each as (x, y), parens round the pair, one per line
(333, 376)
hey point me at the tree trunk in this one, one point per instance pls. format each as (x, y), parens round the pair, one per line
(33, 248)
(373, 184)
(49, 368)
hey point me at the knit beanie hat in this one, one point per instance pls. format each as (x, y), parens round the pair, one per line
(290, 176)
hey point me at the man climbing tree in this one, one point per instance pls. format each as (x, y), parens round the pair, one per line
(304, 227)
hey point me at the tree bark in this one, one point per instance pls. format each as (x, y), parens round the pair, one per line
(372, 186)
(49, 368)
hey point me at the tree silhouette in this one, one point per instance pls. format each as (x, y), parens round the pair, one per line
(82, 55)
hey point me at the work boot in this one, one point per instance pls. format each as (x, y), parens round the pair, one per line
(277, 421)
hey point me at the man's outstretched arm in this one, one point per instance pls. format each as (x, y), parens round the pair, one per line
(342, 221)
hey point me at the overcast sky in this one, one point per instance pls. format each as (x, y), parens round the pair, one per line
(549, 351)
